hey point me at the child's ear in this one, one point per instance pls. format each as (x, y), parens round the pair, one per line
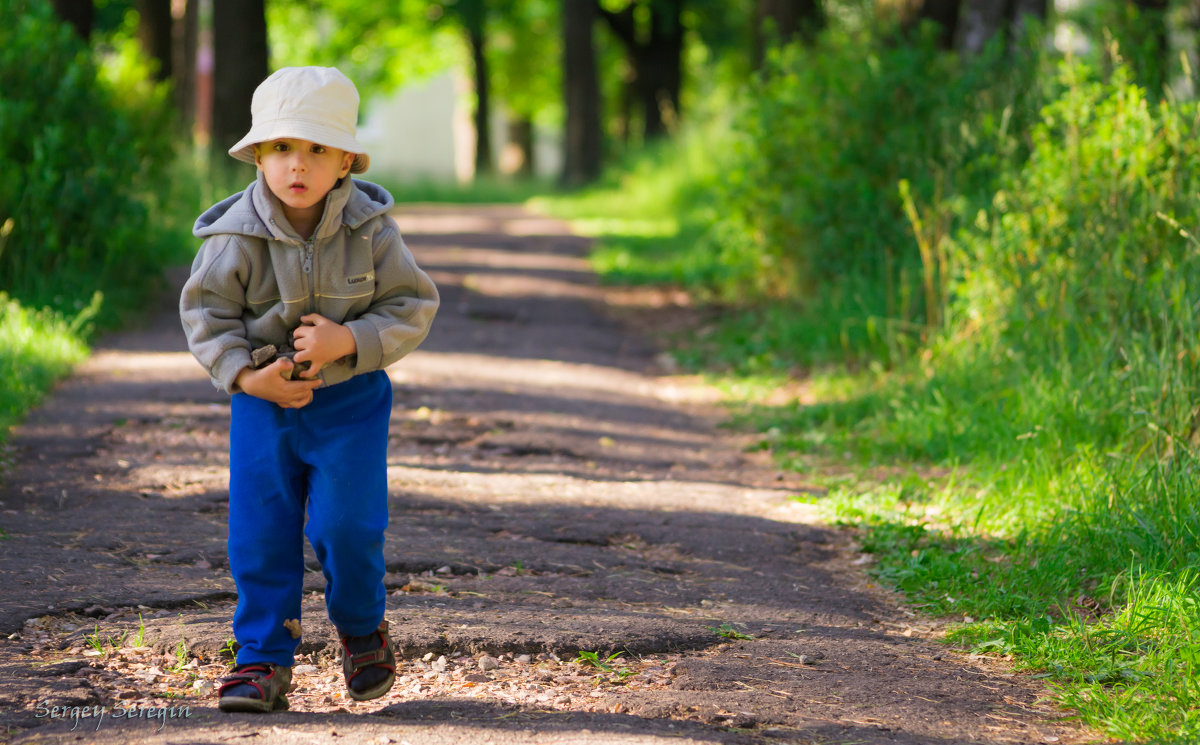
(347, 162)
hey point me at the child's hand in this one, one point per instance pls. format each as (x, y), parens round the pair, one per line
(321, 341)
(270, 384)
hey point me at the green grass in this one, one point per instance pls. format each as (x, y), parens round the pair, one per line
(484, 190)
(36, 349)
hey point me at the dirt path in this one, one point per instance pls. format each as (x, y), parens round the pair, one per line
(551, 494)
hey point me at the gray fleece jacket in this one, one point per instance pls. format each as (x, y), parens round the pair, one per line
(254, 277)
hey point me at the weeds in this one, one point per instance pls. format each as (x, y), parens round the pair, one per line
(139, 639)
(603, 665)
(103, 645)
(729, 632)
(182, 656)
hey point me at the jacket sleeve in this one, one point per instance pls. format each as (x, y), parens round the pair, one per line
(211, 308)
(402, 309)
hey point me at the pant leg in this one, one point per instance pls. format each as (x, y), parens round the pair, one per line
(267, 489)
(346, 429)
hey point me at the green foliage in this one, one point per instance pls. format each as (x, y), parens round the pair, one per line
(729, 632)
(36, 349)
(604, 665)
(378, 45)
(77, 151)
(812, 209)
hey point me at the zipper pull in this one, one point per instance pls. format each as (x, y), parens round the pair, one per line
(308, 258)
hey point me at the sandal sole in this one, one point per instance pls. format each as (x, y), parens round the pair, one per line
(371, 693)
(252, 705)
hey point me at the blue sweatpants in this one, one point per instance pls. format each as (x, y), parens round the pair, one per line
(328, 458)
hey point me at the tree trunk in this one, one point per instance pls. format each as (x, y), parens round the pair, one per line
(154, 33)
(1152, 19)
(483, 120)
(1023, 11)
(520, 134)
(911, 13)
(656, 60)
(581, 141)
(239, 65)
(982, 20)
(660, 73)
(785, 21)
(81, 14)
(185, 42)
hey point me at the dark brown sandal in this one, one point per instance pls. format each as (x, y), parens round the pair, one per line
(272, 682)
(380, 658)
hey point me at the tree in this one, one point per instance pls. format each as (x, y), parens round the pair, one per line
(80, 14)
(787, 20)
(184, 46)
(581, 91)
(473, 17)
(1153, 38)
(155, 35)
(983, 19)
(239, 65)
(913, 13)
(651, 31)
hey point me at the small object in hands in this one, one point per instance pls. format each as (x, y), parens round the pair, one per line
(263, 356)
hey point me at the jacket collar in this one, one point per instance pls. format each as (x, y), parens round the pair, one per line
(256, 212)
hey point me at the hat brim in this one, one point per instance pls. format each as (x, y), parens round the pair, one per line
(244, 149)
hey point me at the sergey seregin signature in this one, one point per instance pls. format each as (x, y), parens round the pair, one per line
(120, 711)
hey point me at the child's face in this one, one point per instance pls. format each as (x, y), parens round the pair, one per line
(300, 173)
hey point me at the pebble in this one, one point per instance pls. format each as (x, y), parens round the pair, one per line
(440, 664)
(305, 670)
(428, 656)
(524, 659)
(488, 663)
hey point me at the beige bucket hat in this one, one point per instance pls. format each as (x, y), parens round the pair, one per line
(318, 104)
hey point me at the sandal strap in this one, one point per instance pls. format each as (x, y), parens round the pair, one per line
(249, 675)
(380, 657)
(368, 659)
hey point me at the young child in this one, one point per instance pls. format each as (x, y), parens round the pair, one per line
(306, 257)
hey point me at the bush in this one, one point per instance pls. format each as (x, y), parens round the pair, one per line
(812, 211)
(77, 156)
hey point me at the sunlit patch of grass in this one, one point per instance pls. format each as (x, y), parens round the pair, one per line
(482, 190)
(36, 349)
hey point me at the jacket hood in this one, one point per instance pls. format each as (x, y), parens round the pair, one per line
(256, 212)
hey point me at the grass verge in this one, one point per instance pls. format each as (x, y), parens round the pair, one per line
(36, 349)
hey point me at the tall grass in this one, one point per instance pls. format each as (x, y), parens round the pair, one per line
(36, 348)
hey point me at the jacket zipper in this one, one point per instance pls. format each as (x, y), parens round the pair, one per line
(309, 258)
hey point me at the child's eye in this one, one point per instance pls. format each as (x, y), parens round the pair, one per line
(318, 149)
(280, 147)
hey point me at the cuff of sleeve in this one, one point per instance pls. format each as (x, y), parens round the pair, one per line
(225, 370)
(370, 348)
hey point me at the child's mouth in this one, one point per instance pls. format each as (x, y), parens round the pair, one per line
(298, 188)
